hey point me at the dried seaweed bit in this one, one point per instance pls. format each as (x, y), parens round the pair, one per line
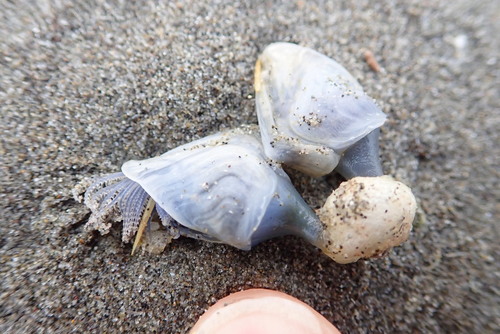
(132, 203)
(170, 224)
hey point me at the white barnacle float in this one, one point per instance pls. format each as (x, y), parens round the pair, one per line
(230, 187)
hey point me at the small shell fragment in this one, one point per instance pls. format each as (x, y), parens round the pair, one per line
(371, 61)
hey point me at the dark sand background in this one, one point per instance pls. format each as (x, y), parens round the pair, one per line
(87, 85)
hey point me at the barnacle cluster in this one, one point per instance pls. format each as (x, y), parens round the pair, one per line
(230, 187)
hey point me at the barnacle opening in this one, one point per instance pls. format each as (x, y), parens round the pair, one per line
(114, 197)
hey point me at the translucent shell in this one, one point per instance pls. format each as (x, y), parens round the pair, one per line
(223, 189)
(310, 108)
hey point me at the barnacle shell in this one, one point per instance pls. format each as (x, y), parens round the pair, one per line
(310, 108)
(366, 216)
(223, 189)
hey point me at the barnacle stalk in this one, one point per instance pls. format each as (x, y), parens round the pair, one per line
(362, 158)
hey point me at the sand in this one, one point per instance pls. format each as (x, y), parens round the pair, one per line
(88, 85)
